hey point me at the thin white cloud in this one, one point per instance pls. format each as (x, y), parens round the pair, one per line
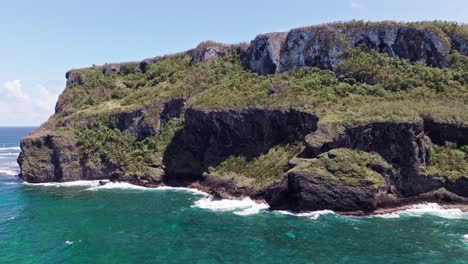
(18, 107)
(356, 4)
(13, 89)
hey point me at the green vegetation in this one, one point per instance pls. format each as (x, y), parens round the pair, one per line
(262, 171)
(123, 151)
(370, 87)
(350, 166)
(449, 161)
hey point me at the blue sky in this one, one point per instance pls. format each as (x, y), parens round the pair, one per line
(41, 40)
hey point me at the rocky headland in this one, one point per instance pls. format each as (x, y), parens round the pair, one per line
(354, 117)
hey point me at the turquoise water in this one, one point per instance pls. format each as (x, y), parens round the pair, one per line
(118, 224)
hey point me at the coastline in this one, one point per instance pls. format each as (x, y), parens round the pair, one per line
(253, 204)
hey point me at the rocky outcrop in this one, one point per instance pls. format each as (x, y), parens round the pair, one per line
(48, 156)
(144, 122)
(400, 144)
(210, 136)
(311, 191)
(411, 43)
(440, 132)
(320, 47)
(208, 50)
(264, 52)
(54, 158)
(324, 46)
(459, 43)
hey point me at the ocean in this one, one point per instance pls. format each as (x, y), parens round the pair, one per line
(82, 222)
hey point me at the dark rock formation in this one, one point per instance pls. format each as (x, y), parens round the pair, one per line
(144, 122)
(264, 52)
(459, 43)
(54, 158)
(440, 133)
(73, 77)
(306, 191)
(401, 144)
(210, 136)
(408, 43)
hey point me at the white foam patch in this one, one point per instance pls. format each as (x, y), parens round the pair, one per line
(245, 206)
(194, 191)
(128, 186)
(68, 243)
(10, 148)
(311, 215)
(96, 185)
(465, 238)
(388, 216)
(435, 210)
(426, 209)
(116, 185)
(67, 184)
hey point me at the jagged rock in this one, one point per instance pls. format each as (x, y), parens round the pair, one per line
(209, 136)
(341, 180)
(208, 50)
(49, 157)
(73, 77)
(320, 47)
(265, 52)
(146, 121)
(459, 43)
(401, 144)
(408, 43)
(440, 133)
(324, 46)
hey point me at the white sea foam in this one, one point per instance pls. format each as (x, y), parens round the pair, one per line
(434, 209)
(10, 148)
(465, 238)
(426, 209)
(116, 185)
(67, 184)
(312, 215)
(96, 185)
(126, 185)
(388, 216)
(191, 190)
(68, 243)
(245, 206)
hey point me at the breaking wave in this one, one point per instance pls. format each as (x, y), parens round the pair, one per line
(427, 209)
(245, 206)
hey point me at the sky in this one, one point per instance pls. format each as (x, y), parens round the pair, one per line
(41, 40)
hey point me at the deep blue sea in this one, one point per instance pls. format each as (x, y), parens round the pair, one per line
(83, 222)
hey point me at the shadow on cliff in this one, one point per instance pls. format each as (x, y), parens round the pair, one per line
(209, 137)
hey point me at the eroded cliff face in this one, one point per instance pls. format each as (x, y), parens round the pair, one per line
(49, 156)
(325, 46)
(210, 136)
(406, 150)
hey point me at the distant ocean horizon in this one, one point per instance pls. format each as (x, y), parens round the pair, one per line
(83, 222)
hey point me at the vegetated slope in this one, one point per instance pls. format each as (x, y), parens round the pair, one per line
(344, 116)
